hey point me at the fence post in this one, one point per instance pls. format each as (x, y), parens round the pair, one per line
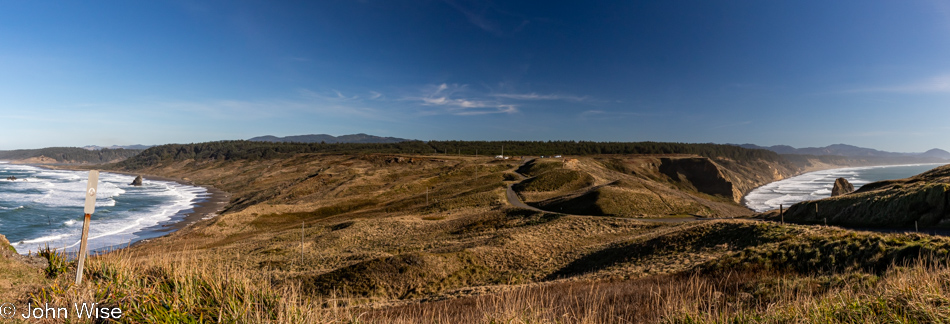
(90, 207)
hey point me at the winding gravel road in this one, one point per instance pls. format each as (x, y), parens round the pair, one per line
(515, 201)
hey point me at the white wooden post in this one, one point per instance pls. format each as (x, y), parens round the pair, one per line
(90, 208)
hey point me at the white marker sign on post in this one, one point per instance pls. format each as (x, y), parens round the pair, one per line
(90, 207)
(91, 187)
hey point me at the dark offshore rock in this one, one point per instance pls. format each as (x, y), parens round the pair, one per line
(842, 187)
(923, 200)
(137, 181)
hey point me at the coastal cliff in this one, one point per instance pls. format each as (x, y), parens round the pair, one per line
(923, 199)
(67, 155)
(700, 173)
(646, 185)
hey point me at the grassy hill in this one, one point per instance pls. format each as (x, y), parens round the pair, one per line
(399, 237)
(642, 186)
(251, 150)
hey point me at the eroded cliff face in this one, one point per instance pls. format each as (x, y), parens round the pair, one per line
(647, 185)
(723, 177)
(699, 173)
(630, 186)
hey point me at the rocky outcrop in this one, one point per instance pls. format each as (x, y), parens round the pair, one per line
(5, 249)
(923, 199)
(400, 159)
(11, 178)
(137, 181)
(8, 252)
(842, 187)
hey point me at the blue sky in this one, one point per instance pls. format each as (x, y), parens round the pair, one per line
(802, 73)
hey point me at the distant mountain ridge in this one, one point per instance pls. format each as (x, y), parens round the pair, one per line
(938, 153)
(318, 138)
(848, 151)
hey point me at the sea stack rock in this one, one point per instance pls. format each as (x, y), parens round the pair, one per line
(137, 181)
(842, 187)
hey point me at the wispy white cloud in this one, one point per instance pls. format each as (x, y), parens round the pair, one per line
(597, 114)
(307, 102)
(535, 96)
(592, 113)
(937, 84)
(452, 99)
(444, 99)
(331, 95)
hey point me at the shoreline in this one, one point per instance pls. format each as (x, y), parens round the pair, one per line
(207, 206)
(203, 208)
(745, 204)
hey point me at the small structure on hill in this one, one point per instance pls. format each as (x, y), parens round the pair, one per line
(137, 181)
(842, 187)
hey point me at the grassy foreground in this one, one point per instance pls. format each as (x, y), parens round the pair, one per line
(895, 287)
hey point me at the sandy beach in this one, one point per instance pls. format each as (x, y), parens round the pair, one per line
(205, 207)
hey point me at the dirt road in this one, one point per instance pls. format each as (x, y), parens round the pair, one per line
(514, 200)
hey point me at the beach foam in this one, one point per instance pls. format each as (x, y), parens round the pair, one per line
(47, 209)
(818, 184)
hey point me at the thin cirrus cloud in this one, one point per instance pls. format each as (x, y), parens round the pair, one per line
(453, 99)
(598, 114)
(937, 84)
(535, 96)
(309, 102)
(337, 95)
(447, 99)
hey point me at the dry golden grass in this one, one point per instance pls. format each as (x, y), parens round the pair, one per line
(336, 238)
(16, 278)
(919, 293)
(183, 285)
(632, 187)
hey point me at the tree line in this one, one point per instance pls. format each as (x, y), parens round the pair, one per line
(71, 154)
(253, 150)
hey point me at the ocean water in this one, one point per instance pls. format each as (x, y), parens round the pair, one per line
(818, 184)
(45, 207)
